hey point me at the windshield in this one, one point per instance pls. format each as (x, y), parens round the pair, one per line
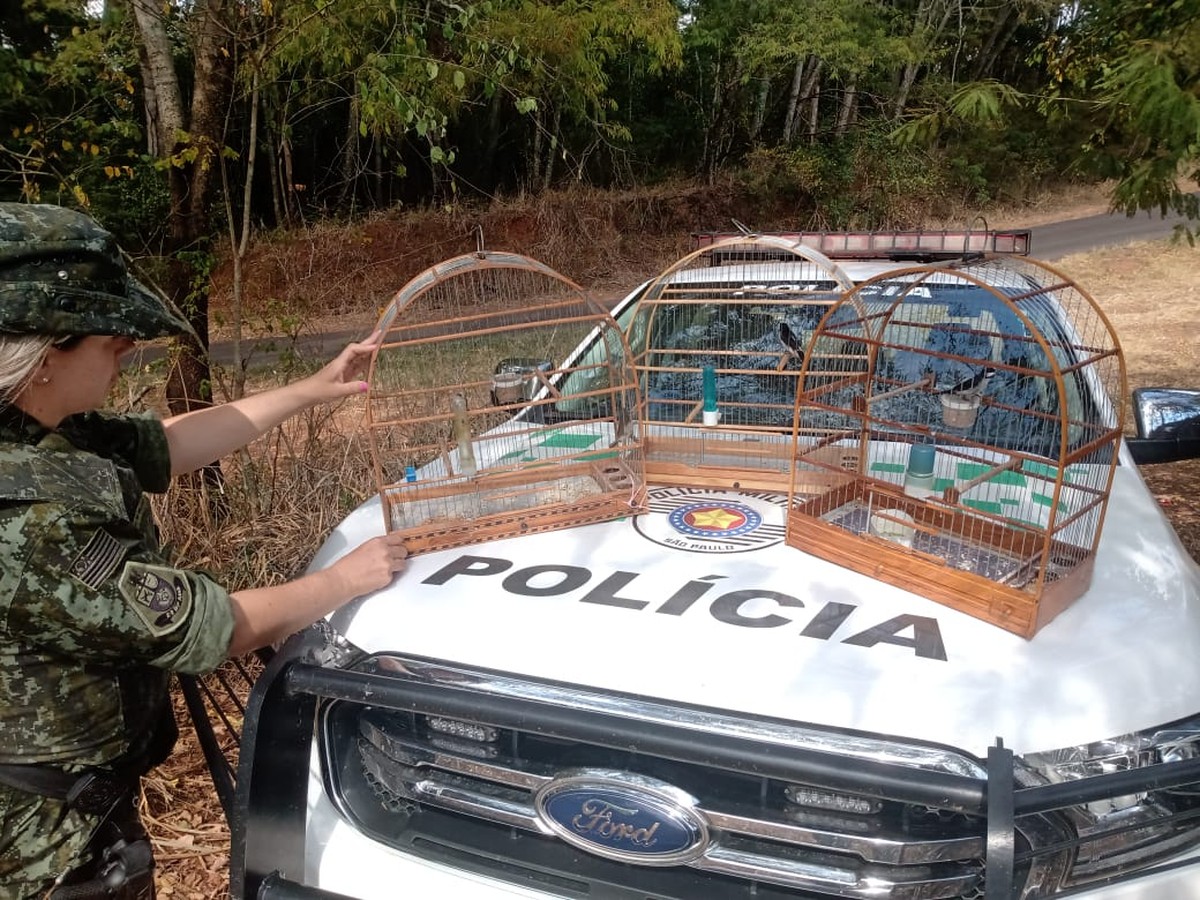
(758, 348)
(979, 344)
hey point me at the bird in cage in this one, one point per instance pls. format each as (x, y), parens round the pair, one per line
(976, 383)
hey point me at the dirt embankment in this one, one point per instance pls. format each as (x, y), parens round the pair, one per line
(604, 241)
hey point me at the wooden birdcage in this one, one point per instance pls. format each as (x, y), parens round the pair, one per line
(481, 423)
(718, 341)
(984, 402)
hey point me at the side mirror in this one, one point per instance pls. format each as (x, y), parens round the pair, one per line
(514, 379)
(1168, 425)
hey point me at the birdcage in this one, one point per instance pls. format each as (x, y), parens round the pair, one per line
(485, 420)
(983, 400)
(718, 342)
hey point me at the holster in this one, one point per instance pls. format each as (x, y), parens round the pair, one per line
(120, 862)
(94, 792)
(124, 871)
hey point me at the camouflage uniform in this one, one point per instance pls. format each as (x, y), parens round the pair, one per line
(92, 618)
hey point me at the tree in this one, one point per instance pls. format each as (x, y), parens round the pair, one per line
(71, 133)
(188, 140)
(802, 44)
(565, 53)
(1130, 75)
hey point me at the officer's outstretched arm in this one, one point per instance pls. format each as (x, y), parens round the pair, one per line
(201, 437)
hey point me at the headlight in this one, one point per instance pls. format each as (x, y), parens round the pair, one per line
(1137, 827)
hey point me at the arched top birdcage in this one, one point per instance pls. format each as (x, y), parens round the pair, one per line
(982, 403)
(718, 340)
(501, 401)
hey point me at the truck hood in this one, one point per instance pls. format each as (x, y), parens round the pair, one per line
(652, 607)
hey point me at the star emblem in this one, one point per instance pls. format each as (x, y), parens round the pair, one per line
(717, 519)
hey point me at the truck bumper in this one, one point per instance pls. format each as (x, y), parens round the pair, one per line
(340, 859)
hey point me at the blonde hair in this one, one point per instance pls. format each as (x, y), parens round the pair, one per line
(20, 356)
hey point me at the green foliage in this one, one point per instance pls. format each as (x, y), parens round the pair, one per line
(68, 101)
(849, 38)
(862, 182)
(134, 203)
(990, 137)
(1127, 73)
(382, 101)
(199, 265)
(976, 106)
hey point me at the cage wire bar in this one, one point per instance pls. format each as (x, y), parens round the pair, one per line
(481, 423)
(718, 340)
(1001, 373)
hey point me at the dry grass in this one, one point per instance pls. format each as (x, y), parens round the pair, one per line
(283, 497)
(1071, 201)
(1151, 295)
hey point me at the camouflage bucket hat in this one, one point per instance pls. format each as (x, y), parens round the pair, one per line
(62, 274)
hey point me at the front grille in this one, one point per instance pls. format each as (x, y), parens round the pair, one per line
(467, 795)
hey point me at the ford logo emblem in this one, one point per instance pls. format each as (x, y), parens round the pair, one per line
(626, 817)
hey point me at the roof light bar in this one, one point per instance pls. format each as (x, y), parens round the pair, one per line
(884, 244)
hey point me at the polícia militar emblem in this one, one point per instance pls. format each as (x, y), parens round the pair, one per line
(706, 521)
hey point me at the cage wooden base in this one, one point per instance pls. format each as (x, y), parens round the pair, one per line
(492, 506)
(740, 460)
(977, 566)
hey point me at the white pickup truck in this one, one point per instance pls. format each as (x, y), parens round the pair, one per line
(646, 708)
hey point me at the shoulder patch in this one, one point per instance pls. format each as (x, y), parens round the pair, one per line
(97, 561)
(161, 597)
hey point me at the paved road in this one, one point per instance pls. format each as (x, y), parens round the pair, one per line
(1058, 239)
(1048, 242)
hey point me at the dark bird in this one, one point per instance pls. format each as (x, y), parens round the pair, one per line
(789, 340)
(977, 382)
(792, 348)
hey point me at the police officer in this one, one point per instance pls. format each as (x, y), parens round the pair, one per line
(93, 617)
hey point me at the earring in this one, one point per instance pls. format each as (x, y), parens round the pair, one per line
(45, 379)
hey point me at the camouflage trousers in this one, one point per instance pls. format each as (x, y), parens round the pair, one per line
(40, 839)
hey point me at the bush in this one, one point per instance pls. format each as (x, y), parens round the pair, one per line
(862, 181)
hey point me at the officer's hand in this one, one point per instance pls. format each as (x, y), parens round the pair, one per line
(372, 565)
(342, 376)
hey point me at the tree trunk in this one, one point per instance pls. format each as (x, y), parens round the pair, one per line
(190, 142)
(552, 150)
(907, 77)
(1002, 31)
(164, 106)
(813, 93)
(150, 104)
(710, 127)
(488, 166)
(193, 170)
(272, 140)
(760, 109)
(380, 200)
(535, 153)
(186, 382)
(846, 111)
(292, 205)
(792, 116)
(924, 33)
(350, 164)
(720, 136)
(239, 244)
